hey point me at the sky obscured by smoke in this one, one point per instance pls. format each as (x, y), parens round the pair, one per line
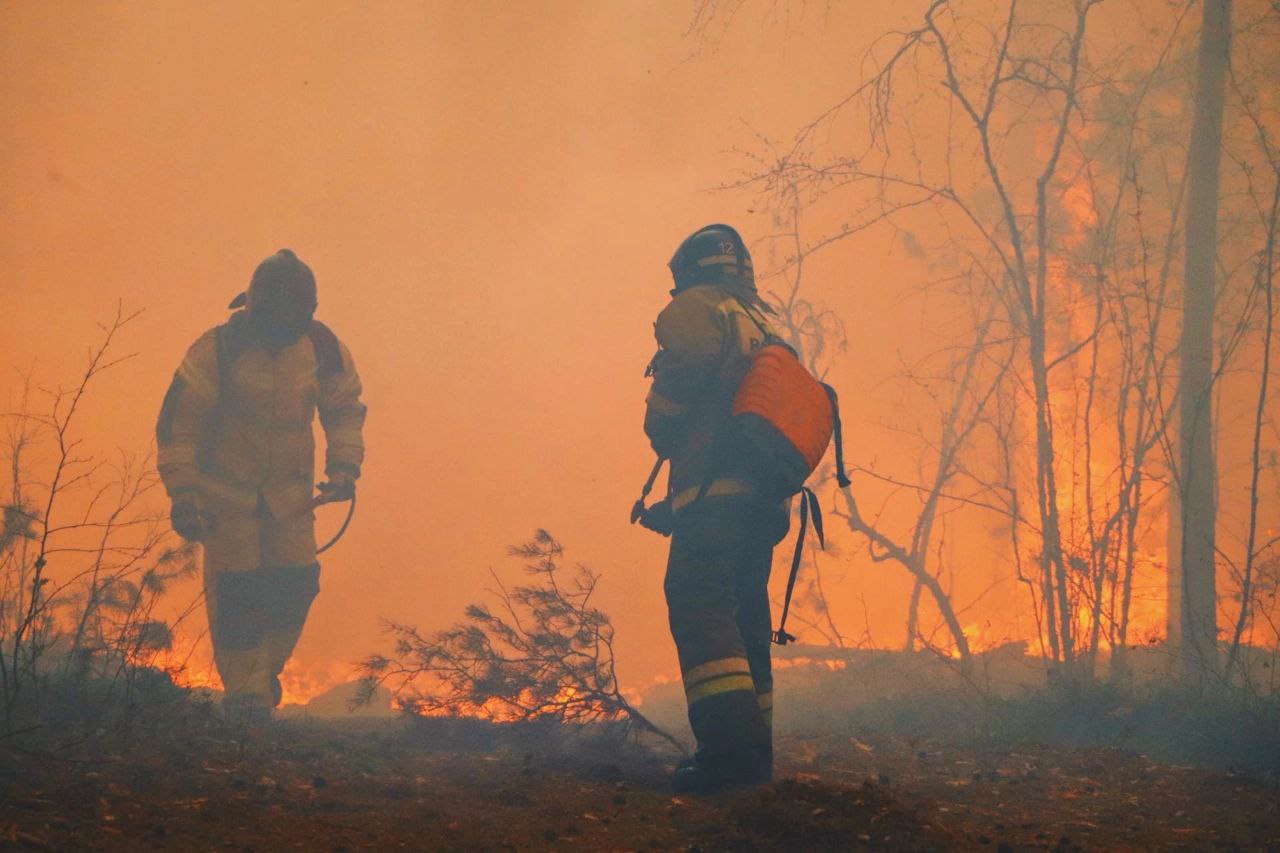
(488, 194)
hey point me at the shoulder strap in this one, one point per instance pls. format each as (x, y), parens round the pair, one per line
(750, 311)
(224, 358)
(222, 351)
(770, 338)
(638, 508)
(842, 478)
(808, 506)
(328, 350)
(231, 340)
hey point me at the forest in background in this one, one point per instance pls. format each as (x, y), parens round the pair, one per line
(1089, 524)
(1039, 158)
(1068, 491)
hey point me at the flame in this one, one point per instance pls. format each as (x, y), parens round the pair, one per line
(1073, 291)
(190, 664)
(302, 682)
(832, 664)
(1077, 201)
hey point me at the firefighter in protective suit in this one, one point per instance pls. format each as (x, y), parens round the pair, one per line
(236, 454)
(723, 530)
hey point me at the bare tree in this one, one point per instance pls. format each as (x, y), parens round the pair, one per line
(83, 557)
(1027, 60)
(1054, 170)
(971, 397)
(816, 332)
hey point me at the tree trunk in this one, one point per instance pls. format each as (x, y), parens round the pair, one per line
(1197, 476)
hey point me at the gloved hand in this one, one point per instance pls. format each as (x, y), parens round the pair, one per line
(186, 519)
(340, 486)
(660, 518)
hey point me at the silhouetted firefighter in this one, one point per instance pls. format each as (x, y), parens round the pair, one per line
(743, 424)
(237, 457)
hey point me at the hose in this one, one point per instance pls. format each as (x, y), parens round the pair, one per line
(351, 512)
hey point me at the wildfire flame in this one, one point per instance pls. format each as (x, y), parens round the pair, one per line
(189, 664)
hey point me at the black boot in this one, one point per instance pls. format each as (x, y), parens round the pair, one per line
(702, 775)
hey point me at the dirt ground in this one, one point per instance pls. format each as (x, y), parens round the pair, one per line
(379, 785)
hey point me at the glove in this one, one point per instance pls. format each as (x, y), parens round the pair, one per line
(187, 521)
(340, 486)
(659, 518)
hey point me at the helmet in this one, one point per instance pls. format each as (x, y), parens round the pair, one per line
(714, 254)
(281, 298)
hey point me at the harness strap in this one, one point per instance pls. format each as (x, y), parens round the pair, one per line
(638, 508)
(169, 409)
(808, 506)
(213, 420)
(328, 350)
(750, 312)
(842, 479)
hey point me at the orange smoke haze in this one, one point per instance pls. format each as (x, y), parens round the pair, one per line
(488, 194)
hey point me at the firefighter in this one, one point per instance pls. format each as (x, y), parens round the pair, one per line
(723, 529)
(236, 454)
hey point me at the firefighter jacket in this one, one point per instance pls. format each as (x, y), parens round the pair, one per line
(236, 424)
(706, 339)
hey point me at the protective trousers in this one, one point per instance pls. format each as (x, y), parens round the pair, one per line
(260, 577)
(718, 605)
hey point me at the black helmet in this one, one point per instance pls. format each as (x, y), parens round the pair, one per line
(281, 299)
(714, 254)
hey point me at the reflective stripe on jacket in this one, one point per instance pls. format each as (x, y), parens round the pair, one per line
(234, 428)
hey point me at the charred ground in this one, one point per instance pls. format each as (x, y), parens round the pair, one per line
(175, 775)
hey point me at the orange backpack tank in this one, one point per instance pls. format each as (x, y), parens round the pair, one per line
(783, 418)
(786, 416)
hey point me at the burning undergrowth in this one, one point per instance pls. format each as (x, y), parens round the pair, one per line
(544, 653)
(874, 749)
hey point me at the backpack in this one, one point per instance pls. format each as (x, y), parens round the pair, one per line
(783, 418)
(786, 418)
(230, 341)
